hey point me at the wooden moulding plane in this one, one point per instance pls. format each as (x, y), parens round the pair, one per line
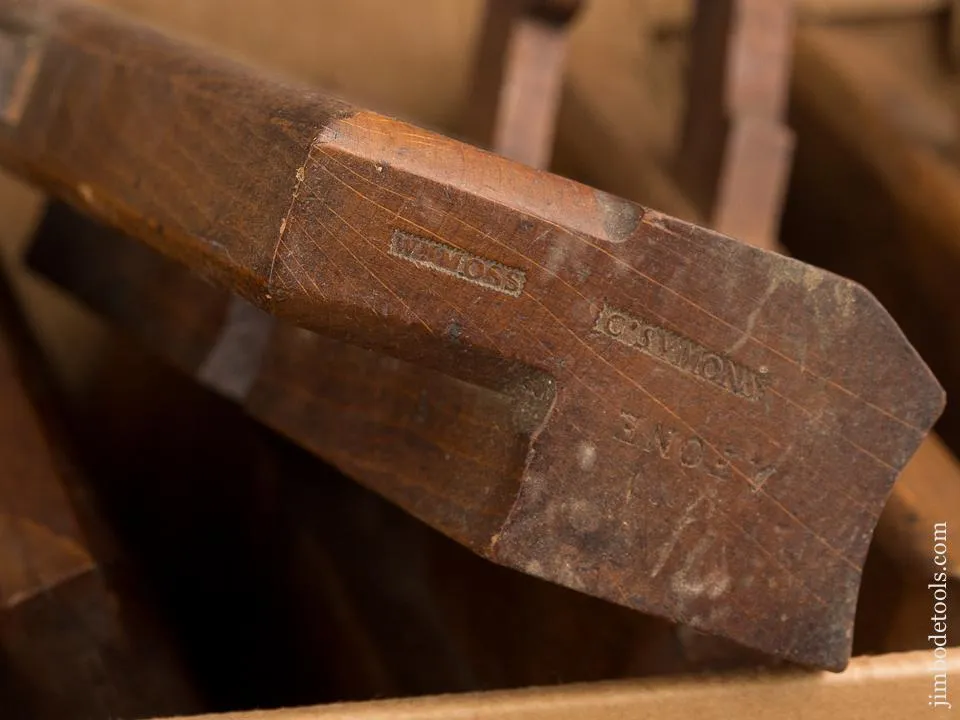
(699, 429)
(731, 172)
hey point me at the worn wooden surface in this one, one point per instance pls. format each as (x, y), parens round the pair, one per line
(896, 230)
(733, 402)
(729, 111)
(878, 119)
(895, 70)
(909, 184)
(341, 595)
(348, 547)
(497, 633)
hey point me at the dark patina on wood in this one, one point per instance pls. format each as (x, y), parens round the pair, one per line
(712, 429)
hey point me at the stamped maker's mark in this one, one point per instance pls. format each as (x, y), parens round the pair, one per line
(458, 263)
(692, 452)
(682, 353)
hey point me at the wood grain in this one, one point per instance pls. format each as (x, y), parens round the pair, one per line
(688, 399)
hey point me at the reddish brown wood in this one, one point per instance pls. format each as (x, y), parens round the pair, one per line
(518, 76)
(706, 433)
(871, 140)
(362, 600)
(735, 152)
(750, 209)
(385, 422)
(749, 205)
(41, 544)
(76, 638)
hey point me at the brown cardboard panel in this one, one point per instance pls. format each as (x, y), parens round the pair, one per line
(887, 686)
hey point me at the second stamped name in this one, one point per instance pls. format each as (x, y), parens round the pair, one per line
(683, 353)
